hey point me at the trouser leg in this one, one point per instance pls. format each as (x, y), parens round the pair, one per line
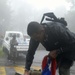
(64, 68)
(64, 71)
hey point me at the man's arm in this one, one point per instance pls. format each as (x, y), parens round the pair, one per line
(31, 51)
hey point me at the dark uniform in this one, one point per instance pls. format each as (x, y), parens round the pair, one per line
(57, 37)
(13, 51)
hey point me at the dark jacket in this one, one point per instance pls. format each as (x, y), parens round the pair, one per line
(57, 36)
(13, 42)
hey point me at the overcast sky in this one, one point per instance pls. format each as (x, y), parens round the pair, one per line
(38, 7)
(49, 5)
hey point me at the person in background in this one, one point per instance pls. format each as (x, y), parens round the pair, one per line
(13, 51)
(57, 39)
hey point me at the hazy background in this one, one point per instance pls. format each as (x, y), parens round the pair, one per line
(16, 14)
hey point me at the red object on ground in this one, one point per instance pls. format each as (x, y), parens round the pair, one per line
(53, 64)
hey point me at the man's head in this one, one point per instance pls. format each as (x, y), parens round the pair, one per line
(14, 36)
(36, 31)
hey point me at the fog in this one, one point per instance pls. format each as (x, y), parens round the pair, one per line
(16, 14)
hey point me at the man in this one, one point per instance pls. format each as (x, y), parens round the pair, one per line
(13, 52)
(57, 39)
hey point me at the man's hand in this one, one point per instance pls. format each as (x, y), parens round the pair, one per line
(26, 72)
(53, 54)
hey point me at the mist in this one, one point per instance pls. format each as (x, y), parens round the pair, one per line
(18, 13)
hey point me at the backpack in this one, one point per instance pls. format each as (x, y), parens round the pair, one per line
(51, 17)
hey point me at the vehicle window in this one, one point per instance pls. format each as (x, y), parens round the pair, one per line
(17, 35)
(11, 35)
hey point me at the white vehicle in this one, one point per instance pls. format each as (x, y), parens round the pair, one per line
(23, 43)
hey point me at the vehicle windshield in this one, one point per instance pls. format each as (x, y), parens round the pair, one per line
(11, 34)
